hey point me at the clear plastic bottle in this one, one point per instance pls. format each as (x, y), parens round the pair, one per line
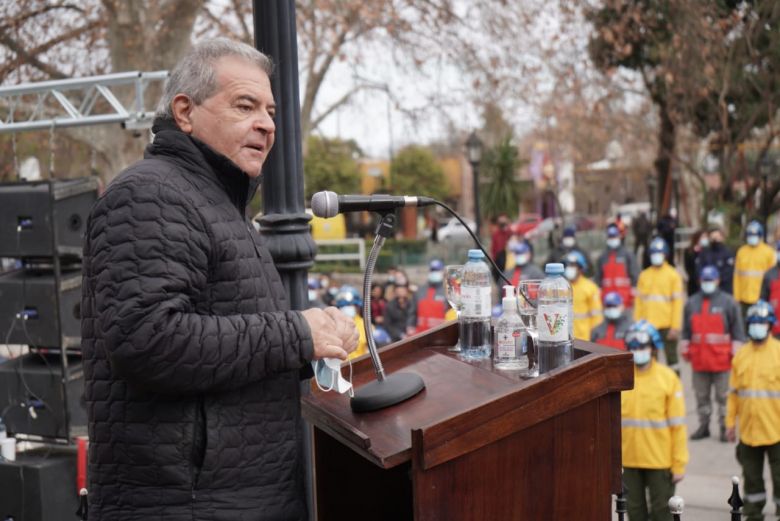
(554, 319)
(475, 313)
(510, 349)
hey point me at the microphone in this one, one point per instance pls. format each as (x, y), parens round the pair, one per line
(328, 204)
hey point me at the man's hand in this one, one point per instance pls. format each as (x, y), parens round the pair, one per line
(327, 343)
(731, 434)
(673, 334)
(676, 478)
(345, 329)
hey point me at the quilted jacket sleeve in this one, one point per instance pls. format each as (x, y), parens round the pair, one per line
(148, 256)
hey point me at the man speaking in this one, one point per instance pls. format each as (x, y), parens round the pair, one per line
(192, 355)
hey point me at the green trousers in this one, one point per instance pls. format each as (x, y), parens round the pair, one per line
(658, 482)
(754, 493)
(670, 350)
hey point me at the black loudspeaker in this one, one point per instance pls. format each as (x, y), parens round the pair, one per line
(33, 398)
(26, 210)
(39, 486)
(31, 293)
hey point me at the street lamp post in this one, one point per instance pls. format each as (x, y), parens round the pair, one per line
(474, 150)
(764, 170)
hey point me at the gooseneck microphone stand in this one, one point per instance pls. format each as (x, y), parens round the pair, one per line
(391, 389)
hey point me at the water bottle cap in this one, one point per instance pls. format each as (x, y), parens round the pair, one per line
(476, 254)
(553, 268)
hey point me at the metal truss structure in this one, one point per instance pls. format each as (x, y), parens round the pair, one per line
(74, 102)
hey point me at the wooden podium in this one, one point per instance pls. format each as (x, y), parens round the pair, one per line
(477, 443)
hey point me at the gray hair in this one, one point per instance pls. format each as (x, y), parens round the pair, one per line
(194, 74)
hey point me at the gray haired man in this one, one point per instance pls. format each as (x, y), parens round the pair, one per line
(192, 354)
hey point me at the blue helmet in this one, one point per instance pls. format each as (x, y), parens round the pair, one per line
(613, 230)
(314, 283)
(381, 336)
(436, 265)
(520, 247)
(575, 257)
(348, 296)
(642, 334)
(761, 312)
(570, 231)
(658, 245)
(613, 299)
(709, 273)
(754, 228)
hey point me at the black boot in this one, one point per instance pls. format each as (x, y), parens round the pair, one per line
(723, 437)
(702, 432)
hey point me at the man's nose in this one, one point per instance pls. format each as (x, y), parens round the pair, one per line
(264, 123)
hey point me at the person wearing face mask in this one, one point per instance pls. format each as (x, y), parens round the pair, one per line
(712, 333)
(770, 289)
(349, 302)
(401, 315)
(315, 301)
(612, 332)
(699, 241)
(659, 299)
(616, 269)
(568, 244)
(655, 449)
(586, 305)
(524, 268)
(431, 300)
(754, 405)
(754, 258)
(714, 252)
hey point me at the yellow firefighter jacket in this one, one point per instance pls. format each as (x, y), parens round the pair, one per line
(659, 297)
(586, 307)
(653, 421)
(754, 393)
(749, 268)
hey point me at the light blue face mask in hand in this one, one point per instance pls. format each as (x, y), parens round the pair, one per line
(327, 374)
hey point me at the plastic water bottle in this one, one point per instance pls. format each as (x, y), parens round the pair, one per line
(476, 307)
(554, 319)
(511, 345)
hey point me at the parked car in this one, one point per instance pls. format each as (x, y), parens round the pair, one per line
(455, 230)
(526, 223)
(581, 222)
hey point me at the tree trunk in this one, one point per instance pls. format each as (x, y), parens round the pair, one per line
(667, 137)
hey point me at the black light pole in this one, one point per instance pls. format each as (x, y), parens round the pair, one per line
(474, 150)
(764, 169)
(285, 223)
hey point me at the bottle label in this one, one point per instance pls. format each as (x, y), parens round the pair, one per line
(475, 301)
(552, 322)
(506, 343)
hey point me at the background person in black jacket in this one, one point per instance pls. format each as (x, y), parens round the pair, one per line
(192, 355)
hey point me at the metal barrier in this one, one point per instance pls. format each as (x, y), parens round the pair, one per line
(359, 255)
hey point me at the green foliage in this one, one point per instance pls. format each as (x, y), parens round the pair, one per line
(414, 170)
(500, 190)
(330, 164)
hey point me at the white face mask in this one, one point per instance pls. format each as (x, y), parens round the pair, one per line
(312, 295)
(613, 313)
(642, 356)
(436, 277)
(656, 259)
(522, 259)
(571, 272)
(613, 243)
(758, 332)
(753, 240)
(709, 286)
(327, 373)
(568, 242)
(350, 311)
(704, 242)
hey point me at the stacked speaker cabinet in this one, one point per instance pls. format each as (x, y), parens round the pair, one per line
(42, 227)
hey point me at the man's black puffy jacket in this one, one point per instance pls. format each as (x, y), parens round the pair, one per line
(192, 356)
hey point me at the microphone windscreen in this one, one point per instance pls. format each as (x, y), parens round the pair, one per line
(325, 204)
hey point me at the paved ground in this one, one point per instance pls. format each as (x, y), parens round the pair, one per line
(707, 483)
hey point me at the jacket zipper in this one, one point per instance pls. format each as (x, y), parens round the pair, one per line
(195, 470)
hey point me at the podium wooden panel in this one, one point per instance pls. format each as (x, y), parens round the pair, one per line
(478, 443)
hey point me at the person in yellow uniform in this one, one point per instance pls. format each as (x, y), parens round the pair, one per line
(754, 258)
(754, 406)
(587, 296)
(655, 446)
(350, 303)
(659, 299)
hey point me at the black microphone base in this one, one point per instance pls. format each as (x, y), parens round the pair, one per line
(394, 389)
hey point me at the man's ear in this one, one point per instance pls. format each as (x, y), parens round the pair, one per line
(182, 106)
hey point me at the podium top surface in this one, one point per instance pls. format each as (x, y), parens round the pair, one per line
(463, 403)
